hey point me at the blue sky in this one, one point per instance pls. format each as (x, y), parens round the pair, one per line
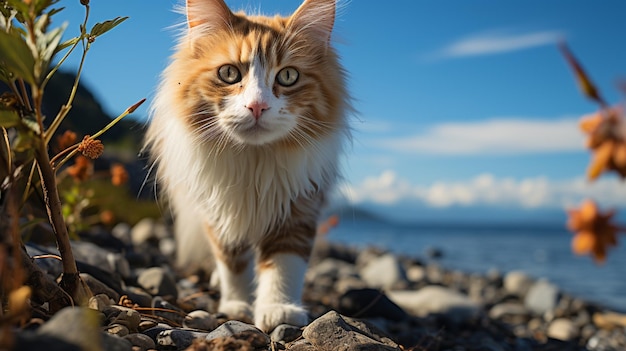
(461, 104)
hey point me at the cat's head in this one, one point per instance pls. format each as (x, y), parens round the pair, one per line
(254, 80)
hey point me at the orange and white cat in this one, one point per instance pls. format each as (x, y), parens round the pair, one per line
(247, 126)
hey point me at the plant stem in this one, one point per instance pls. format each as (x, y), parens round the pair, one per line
(53, 207)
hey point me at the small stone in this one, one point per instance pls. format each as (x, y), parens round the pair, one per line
(117, 330)
(158, 282)
(178, 338)
(100, 302)
(609, 320)
(143, 341)
(415, 274)
(201, 320)
(121, 231)
(332, 332)
(435, 299)
(517, 283)
(138, 296)
(167, 246)
(285, 333)
(166, 310)
(542, 297)
(114, 343)
(143, 231)
(562, 329)
(237, 328)
(123, 315)
(146, 324)
(383, 272)
(510, 312)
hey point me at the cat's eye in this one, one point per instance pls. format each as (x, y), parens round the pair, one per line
(229, 74)
(287, 76)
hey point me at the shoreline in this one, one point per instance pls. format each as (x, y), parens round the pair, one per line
(366, 299)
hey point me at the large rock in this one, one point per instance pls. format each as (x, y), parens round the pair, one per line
(517, 283)
(81, 326)
(436, 300)
(562, 329)
(383, 272)
(542, 297)
(332, 332)
(158, 282)
(369, 303)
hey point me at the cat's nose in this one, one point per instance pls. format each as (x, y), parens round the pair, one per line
(257, 108)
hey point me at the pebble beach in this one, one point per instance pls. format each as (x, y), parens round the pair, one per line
(358, 299)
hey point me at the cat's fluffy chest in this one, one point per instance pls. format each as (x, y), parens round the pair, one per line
(242, 193)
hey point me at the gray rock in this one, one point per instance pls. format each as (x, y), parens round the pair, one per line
(383, 272)
(542, 297)
(201, 320)
(301, 345)
(285, 333)
(562, 329)
(100, 302)
(333, 268)
(31, 341)
(332, 332)
(138, 296)
(96, 256)
(517, 283)
(142, 341)
(369, 303)
(158, 282)
(143, 231)
(123, 315)
(117, 330)
(179, 339)
(510, 312)
(437, 300)
(167, 310)
(121, 231)
(416, 273)
(97, 287)
(167, 246)
(235, 328)
(75, 325)
(114, 343)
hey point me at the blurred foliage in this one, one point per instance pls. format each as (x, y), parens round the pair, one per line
(594, 231)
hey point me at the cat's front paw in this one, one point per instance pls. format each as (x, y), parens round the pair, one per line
(269, 316)
(238, 310)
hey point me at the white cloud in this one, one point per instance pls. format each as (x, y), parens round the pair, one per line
(496, 136)
(496, 43)
(485, 189)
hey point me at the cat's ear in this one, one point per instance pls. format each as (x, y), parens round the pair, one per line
(208, 14)
(315, 18)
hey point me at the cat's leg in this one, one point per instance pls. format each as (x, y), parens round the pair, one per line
(234, 266)
(282, 260)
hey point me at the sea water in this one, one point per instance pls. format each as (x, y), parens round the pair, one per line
(542, 251)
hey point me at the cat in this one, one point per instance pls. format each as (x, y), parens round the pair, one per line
(246, 129)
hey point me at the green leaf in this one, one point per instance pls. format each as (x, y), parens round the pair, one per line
(66, 44)
(9, 118)
(103, 27)
(17, 57)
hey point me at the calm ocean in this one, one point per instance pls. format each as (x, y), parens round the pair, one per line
(540, 251)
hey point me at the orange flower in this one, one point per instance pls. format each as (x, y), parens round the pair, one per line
(119, 175)
(107, 217)
(67, 139)
(91, 148)
(607, 139)
(81, 170)
(593, 231)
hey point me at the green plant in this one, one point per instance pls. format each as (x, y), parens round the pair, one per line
(28, 49)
